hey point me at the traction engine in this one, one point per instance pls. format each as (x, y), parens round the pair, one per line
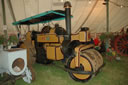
(120, 42)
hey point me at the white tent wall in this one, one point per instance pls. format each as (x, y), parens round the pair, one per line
(97, 18)
(80, 10)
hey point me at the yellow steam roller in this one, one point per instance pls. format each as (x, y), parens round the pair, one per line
(81, 60)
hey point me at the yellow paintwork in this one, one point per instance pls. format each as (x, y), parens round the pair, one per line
(47, 38)
(50, 51)
(83, 47)
(85, 63)
(28, 36)
(59, 54)
(52, 37)
(61, 38)
(81, 36)
(78, 49)
(88, 39)
(75, 37)
(54, 52)
(53, 43)
(52, 31)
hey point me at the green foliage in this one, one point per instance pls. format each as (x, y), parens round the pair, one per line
(2, 39)
(13, 39)
(106, 36)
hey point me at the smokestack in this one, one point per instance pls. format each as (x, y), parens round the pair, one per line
(67, 6)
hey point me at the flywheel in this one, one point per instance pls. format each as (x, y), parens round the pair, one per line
(121, 45)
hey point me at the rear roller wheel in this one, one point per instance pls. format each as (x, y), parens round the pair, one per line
(85, 65)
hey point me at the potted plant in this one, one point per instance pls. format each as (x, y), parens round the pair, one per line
(12, 40)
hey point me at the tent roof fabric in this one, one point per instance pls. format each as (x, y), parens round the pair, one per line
(82, 12)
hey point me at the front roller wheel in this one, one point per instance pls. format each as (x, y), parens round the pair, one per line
(85, 65)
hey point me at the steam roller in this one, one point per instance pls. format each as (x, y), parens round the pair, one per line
(82, 60)
(76, 51)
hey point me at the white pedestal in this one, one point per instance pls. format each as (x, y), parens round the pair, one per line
(7, 59)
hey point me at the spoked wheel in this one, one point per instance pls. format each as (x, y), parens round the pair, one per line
(121, 45)
(85, 65)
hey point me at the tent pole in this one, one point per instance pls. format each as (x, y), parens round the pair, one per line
(4, 12)
(107, 42)
(38, 25)
(4, 23)
(12, 13)
(107, 15)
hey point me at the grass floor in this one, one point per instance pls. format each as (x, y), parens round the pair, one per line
(113, 73)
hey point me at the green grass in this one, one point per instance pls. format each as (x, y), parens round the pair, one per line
(113, 73)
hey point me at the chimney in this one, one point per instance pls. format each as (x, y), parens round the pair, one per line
(67, 6)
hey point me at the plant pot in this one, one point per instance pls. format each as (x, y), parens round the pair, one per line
(1, 47)
(9, 47)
